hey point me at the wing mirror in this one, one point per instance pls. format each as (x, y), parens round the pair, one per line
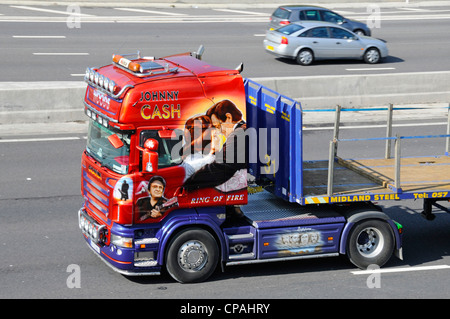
(150, 156)
(115, 141)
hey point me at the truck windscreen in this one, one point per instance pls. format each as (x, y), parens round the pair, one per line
(99, 146)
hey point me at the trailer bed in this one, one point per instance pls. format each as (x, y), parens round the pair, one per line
(336, 180)
(374, 179)
(265, 210)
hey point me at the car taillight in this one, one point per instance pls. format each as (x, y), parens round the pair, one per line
(284, 40)
(285, 22)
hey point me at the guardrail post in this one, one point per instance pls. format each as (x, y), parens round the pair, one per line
(397, 163)
(331, 158)
(389, 132)
(337, 121)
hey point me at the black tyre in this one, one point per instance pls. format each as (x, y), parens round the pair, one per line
(305, 57)
(372, 56)
(192, 256)
(370, 242)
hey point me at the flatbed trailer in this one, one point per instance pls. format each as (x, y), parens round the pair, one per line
(339, 180)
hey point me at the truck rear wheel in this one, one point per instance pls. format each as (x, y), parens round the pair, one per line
(370, 242)
(192, 256)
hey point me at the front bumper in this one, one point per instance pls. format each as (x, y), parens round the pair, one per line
(136, 261)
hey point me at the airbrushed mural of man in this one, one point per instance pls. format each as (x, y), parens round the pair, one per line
(228, 118)
(152, 206)
(228, 171)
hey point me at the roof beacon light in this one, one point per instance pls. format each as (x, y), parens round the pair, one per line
(130, 65)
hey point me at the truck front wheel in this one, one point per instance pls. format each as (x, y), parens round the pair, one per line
(192, 256)
(370, 242)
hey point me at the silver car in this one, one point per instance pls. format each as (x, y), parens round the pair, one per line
(309, 41)
(284, 15)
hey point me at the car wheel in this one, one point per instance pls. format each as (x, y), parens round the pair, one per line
(372, 56)
(305, 57)
(359, 32)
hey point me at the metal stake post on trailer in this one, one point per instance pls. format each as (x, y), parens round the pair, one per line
(333, 150)
(389, 131)
(447, 147)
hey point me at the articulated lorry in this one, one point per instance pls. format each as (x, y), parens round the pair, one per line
(190, 167)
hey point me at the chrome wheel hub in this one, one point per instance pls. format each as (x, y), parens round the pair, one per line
(370, 242)
(373, 56)
(192, 256)
(305, 57)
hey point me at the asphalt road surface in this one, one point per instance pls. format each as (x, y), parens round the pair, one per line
(41, 244)
(57, 43)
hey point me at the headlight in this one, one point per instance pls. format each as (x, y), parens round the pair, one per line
(112, 84)
(105, 83)
(86, 75)
(100, 80)
(120, 241)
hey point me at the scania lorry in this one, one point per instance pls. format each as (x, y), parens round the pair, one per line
(190, 167)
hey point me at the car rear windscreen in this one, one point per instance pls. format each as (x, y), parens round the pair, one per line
(290, 28)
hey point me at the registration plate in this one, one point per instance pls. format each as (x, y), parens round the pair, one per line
(94, 246)
(269, 47)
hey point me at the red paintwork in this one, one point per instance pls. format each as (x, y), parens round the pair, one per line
(155, 102)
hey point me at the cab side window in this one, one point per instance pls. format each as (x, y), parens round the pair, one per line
(169, 149)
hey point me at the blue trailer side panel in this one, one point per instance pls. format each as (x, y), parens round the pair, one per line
(278, 155)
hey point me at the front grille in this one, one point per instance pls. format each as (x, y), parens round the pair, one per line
(96, 196)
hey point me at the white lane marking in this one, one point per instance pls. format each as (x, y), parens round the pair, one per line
(39, 36)
(370, 69)
(259, 35)
(43, 139)
(150, 11)
(52, 11)
(415, 9)
(60, 53)
(77, 74)
(243, 12)
(402, 269)
(386, 17)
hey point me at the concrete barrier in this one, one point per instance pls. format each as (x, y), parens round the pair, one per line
(363, 90)
(51, 102)
(41, 102)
